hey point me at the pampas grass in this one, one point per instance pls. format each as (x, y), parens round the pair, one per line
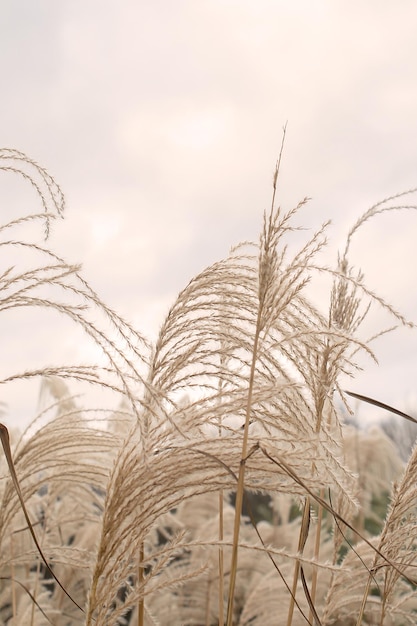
(126, 516)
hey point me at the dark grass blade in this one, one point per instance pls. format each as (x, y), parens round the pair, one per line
(352, 547)
(381, 405)
(287, 469)
(309, 598)
(32, 597)
(5, 440)
(305, 529)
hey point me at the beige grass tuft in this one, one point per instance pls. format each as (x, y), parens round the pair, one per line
(240, 394)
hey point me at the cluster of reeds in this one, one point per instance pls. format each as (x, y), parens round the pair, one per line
(126, 516)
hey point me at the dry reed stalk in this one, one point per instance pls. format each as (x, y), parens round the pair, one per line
(12, 571)
(141, 604)
(221, 561)
(317, 545)
(241, 486)
(305, 525)
(266, 272)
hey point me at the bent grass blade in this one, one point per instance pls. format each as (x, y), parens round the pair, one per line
(5, 440)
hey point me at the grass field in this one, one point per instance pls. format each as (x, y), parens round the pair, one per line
(151, 514)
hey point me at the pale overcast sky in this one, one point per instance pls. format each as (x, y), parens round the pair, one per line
(161, 120)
